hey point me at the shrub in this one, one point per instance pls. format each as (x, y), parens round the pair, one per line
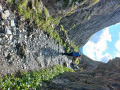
(32, 79)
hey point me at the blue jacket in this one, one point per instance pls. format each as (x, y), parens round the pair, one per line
(75, 54)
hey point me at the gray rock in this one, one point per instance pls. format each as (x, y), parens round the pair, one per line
(12, 23)
(0, 39)
(7, 13)
(3, 16)
(11, 37)
(89, 80)
(5, 53)
(3, 23)
(8, 31)
(88, 20)
(26, 47)
(1, 8)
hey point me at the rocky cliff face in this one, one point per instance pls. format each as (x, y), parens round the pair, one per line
(89, 17)
(85, 18)
(104, 77)
(22, 47)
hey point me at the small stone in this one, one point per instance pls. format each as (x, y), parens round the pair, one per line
(24, 66)
(77, 3)
(1, 8)
(3, 23)
(8, 31)
(25, 36)
(0, 39)
(12, 23)
(3, 16)
(6, 54)
(11, 37)
(6, 36)
(7, 13)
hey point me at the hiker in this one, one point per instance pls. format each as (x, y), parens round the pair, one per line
(74, 54)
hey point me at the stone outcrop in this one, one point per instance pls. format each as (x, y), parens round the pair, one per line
(22, 47)
(87, 64)
(89, 19)
(85, 18)
(103, 77)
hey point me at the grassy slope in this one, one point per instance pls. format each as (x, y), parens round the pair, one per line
(32, 79)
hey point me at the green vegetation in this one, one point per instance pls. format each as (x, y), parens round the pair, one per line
(74, 46)
(32, 79)
(77, 61)
(10, 1)
(62, 28)
(89, 16)
(66, 2)
(95, 1)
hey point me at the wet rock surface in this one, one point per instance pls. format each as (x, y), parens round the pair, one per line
(22, 47)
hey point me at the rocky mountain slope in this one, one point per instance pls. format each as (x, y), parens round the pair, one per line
(85, 17)
(89, 19)
(23, 47)
(104, 77)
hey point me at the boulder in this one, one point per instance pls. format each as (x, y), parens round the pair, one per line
(3, 16)
(8, 31)
(12, 23)
(7, 13)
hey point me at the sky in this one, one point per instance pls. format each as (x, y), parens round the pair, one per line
(104, 45)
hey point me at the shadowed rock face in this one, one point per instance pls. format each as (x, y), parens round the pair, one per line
(86, 21)
(89, 17)
(103, 77)
(87, 64)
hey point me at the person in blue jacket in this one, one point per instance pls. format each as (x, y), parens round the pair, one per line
(74, 54)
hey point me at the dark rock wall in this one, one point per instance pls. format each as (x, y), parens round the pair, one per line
(80, 24)
(104, 77)
(87, 64)
(86, 21)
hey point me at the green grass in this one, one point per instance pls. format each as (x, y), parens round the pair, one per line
(10, 1)
(32, 79)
